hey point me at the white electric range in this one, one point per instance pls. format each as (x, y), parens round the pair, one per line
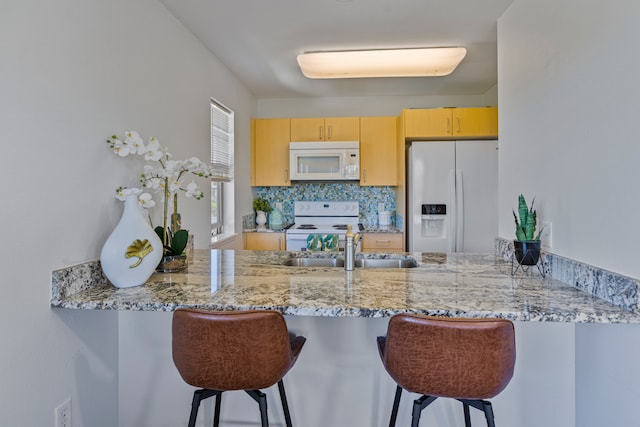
(322, 218)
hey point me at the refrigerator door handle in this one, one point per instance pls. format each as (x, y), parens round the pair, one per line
(452, 211)
(459, 212)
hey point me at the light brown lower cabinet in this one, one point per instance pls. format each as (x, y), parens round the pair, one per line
(264, 241)
(382, 242)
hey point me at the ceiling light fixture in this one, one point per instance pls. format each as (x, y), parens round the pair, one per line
(417, 62)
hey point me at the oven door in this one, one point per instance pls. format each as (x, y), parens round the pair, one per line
(298, 242)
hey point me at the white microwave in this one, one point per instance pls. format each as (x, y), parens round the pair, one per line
(324, 161)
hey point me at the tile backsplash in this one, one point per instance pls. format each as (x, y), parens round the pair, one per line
(368, 197)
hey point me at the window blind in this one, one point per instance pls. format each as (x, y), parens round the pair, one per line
(221, 142)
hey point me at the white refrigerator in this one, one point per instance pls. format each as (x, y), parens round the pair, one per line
(452, 196)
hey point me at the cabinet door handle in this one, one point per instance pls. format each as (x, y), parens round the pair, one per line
(329, 132)
(320, 132)
(383, 241)
(280, 243)
(448, 129)
(286, 175)
(458, 121)
(364, 175)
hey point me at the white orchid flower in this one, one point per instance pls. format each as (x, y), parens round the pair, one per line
(120, 193)
(194, 191)
(121, 148)
(174, 186)
(112, 141)
(195, 164)
(123, 192)
(171, 169)
(146, 201)
(153, 151)
(166, 176)
(133, 140)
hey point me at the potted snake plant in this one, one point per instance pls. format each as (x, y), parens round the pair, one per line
(527, 243)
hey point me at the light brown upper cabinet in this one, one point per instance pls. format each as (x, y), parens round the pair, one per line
(325, 129)
(270, 152)
(451, 123)
(378, 163)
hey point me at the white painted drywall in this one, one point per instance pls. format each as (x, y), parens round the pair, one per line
(72, 73)
(568, 96)
(367, 105)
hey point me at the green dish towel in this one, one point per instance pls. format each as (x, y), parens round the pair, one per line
(322, 242)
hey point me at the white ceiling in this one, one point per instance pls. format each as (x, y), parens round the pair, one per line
(258, 40)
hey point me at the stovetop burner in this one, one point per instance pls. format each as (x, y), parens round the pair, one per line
(340, 226)
(307, 227)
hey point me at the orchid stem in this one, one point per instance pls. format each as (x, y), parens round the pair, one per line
(166, 208)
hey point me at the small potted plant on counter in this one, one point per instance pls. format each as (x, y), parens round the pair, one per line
(262, 208)
(527, 243)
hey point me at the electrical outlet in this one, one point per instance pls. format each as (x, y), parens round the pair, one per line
(63, 414)
(546, 236)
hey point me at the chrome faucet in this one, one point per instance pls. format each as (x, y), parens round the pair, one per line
(351, 243)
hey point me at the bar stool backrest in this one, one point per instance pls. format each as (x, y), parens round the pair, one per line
(233, 350)
(459, 358)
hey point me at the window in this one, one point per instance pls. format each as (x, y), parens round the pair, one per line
(221, 160)
(216, 208)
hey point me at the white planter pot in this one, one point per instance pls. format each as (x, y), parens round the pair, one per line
(133, 250)
(261, 218)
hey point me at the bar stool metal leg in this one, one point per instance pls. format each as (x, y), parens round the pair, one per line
(195, 404)
(396, 404)
(285, 405)
(216, 413)
(483, 405)
(467, 415)
(488, 413)
(261, 398)
(198, 396)
(418, 406)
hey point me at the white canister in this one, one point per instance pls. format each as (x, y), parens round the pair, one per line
(384, 218)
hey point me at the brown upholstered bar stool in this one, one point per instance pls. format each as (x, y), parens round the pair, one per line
(469, 360)
(234, 350)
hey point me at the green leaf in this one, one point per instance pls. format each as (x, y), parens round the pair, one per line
(523, 210)
(530, 226)
(160, 232)
(519, 230)
(179, 241)
(527, 221)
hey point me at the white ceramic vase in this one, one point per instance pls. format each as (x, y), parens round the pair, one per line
(261, 218)
(133, 250)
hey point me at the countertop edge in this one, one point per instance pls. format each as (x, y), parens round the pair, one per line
(68, 283)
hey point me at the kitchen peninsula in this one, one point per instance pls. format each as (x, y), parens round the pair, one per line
(341, 313)
(467, 285)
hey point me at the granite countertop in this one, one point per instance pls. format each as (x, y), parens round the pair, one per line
(267, 229)
(465, 285)
(382, 229)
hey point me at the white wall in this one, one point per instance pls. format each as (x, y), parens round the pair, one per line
(367, 105)
(568, 104)
(568, 91)
(72, 73)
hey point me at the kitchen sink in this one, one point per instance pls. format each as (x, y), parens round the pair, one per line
(315, 262)
(385, 263)
(358, 263)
